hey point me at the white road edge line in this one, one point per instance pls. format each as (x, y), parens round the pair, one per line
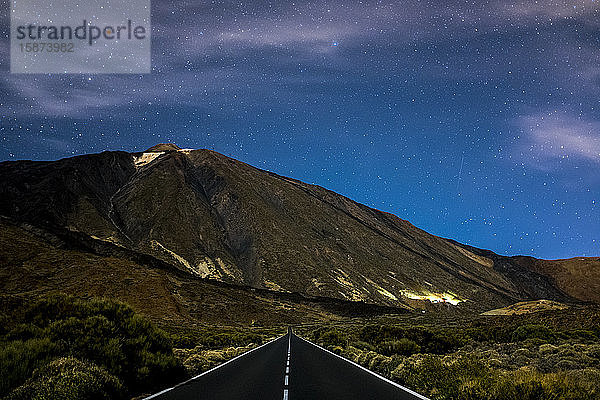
(369, 371)
(212, 369)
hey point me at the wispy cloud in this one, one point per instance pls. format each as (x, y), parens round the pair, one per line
(550, 138)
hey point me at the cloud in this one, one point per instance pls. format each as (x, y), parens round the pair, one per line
(551, 138)
(202, 49)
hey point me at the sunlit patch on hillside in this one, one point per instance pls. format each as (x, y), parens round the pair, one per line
(380, 290)
(447, 297)
(350, 291)
(385, 293)
(146, 158)
(274, 286)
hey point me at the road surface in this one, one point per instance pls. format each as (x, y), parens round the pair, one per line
(288, 368)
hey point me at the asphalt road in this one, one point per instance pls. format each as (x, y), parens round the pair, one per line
(312, 373)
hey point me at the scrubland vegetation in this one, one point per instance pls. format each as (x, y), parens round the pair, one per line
(62, 347)
(68, 348)
(488, 361)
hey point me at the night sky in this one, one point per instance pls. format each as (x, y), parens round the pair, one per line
(477, 120)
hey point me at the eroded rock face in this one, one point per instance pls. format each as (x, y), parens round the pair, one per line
(218, 218)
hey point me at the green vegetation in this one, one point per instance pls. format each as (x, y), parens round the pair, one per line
(198, 359)
(69, 379)
(469, 378)
(487, 359)
(211, 337)
(202, 348)
(94, 348)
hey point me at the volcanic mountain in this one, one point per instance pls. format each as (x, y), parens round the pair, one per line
(217, 218)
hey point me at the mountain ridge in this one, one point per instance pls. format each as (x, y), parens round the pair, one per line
(219, 218)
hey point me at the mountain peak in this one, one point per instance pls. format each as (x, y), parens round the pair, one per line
(163, 147)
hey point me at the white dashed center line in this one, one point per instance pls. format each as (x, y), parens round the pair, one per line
(287, 369)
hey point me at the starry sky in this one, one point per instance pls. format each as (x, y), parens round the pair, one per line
(474, 120)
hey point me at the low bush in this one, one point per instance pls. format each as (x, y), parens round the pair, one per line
(440, 378)
(18, 359)
(403, 346)
(215, 338)
(198, 359)
(528, 384)
(333, 337)
(427, 340)
(531, 331)
(69, 379)
(363, 345)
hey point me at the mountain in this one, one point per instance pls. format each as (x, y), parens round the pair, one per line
(212, 217)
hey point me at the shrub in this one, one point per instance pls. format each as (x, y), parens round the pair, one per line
(434, 377)
(334, 337)
(19, 358)
(23, 332)
(486, 361)
(363, 346)
(218, 340)
(198, 360)
(365, 358)
(378, 363)
(437, 341)
(69, 379)
(403, 346)
(466, 378)
(532, 331)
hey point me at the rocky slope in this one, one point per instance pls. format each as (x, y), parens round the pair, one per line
(213, 217)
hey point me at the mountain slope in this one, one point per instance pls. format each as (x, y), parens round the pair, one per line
(51, 264)
(214, 217)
